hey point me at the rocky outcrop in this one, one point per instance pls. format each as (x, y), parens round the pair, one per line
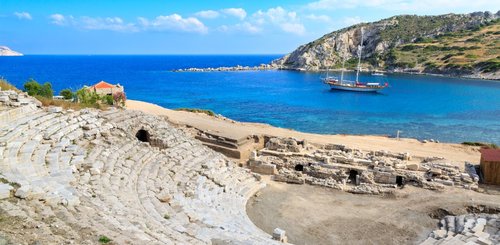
(6, 51)
(379, 39)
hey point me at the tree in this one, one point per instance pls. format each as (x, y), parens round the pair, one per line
(67, 94)
(32, 87)
(47, 91)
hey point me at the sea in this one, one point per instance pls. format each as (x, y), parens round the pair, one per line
(419, 106)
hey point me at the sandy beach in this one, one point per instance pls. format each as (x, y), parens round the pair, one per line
(456, 153)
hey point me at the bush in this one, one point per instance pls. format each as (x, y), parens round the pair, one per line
(119, 98)
(108, 99)
(33, 88)
(481, 144)
(87, 97)
(104, 239)
(208, 112)
(67, 94)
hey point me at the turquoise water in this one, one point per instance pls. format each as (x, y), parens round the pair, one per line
(423, 107)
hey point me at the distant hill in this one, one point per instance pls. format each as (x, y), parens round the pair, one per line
(6, 51)
(452, 44)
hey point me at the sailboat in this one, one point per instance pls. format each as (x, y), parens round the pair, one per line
(347, 85)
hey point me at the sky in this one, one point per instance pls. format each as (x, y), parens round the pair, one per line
(196, 27)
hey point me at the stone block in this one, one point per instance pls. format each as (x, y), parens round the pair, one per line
(5, 190)
(264, 168)
(483, 241)
(413, 166)
(55, 109)
(279, 235)
(23, 192)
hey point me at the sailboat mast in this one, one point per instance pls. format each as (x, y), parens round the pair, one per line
(360, 50)
(342, 72)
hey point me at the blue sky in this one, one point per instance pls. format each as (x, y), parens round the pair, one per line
(195, 27)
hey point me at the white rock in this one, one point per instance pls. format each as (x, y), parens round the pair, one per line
(5, 190)
(23, 192)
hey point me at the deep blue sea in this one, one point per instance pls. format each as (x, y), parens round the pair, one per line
(423, 107)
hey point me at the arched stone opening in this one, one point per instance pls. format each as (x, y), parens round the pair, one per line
(299, 167)
(142, 135)
(400, 181)
(353, 175)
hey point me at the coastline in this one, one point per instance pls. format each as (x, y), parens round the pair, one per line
(239, 68)
(456, 153)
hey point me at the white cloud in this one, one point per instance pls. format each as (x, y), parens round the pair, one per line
(59, 19)
(23, 15)
(287, 21)
(414, 5)
(246, 27)
(319, 18)
(236, 12)
(207, 14)
(108, 23)
(352, 20)
(295, 28)
(174, 22)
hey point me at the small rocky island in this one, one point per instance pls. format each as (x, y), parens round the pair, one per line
(6, 51)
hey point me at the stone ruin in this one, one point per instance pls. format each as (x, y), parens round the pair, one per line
(352, 170)
(466, 229)
(124, 174)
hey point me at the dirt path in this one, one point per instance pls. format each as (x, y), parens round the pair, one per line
(316, 215)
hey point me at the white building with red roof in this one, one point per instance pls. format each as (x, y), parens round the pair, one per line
(104, 88)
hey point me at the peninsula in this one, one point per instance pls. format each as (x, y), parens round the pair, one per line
(6, 51)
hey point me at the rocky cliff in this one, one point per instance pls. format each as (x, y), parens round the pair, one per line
(383, 39)
(6, 51)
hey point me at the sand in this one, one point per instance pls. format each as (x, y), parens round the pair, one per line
(318, 215)
(455, 153)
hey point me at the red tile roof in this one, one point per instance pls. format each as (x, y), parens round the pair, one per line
(103, 85)
(490, 155)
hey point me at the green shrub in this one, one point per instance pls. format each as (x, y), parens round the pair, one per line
(108, 99)
(104, 239)
(87, 97)
(208, 112)
(33, 88)
(481, 144)
(67, 94)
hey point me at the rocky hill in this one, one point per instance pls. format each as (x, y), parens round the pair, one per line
(6, 51)
(453, 44)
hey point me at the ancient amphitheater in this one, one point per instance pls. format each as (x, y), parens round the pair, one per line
(90, 176)
(132, 177)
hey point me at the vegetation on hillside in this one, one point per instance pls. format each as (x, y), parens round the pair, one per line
(453, 44)
(463, 51)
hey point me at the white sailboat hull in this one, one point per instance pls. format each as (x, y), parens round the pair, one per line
(355, 88)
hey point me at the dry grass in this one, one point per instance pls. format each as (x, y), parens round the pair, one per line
(4, 85)
(68, 104)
